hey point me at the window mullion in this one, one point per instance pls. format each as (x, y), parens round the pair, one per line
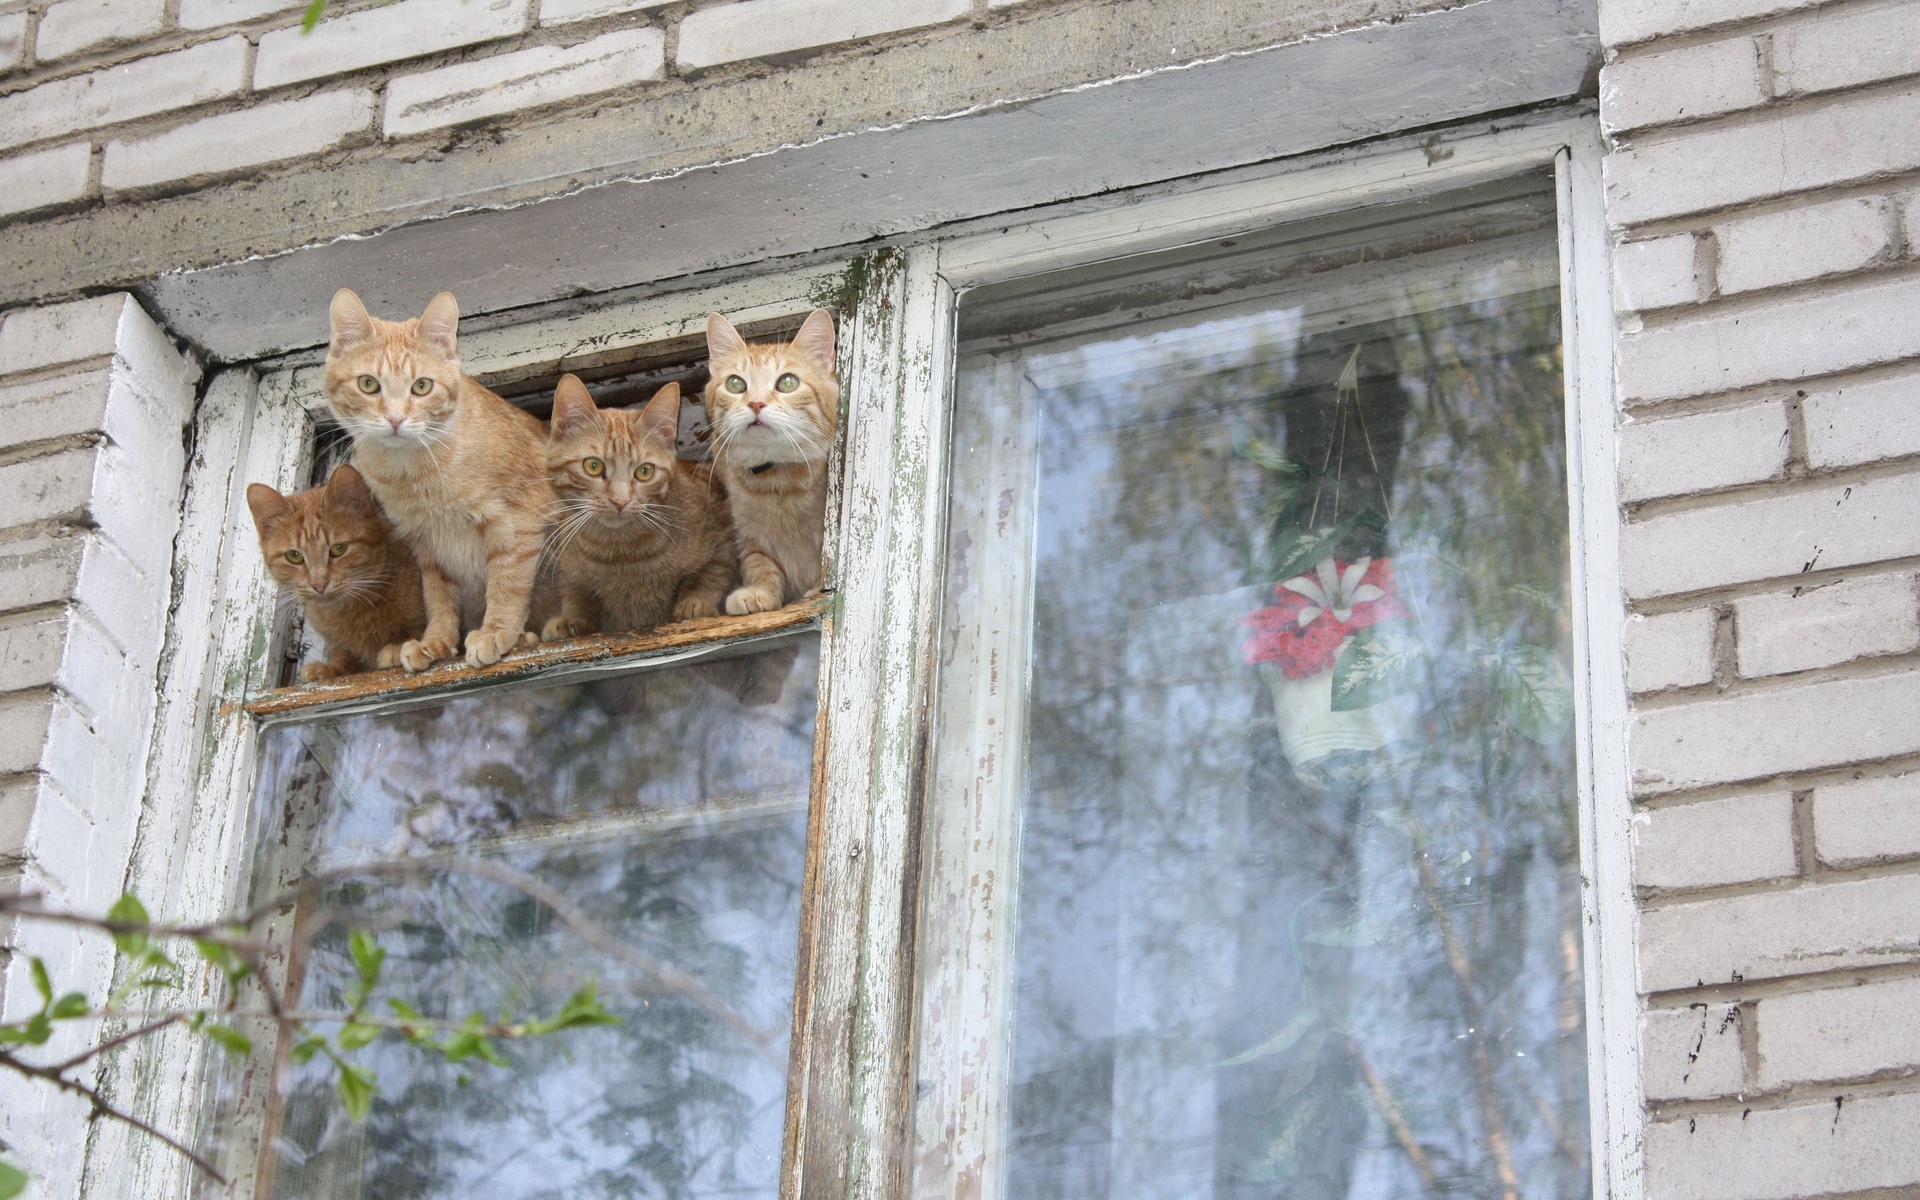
(850, 1091)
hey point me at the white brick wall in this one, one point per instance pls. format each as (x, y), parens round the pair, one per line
(1758, 191)
(69, 26)
(93, 406)
(48, 177)
(136, 89)
(265, 133)
(506, 82)
(731, 32)
(392, 32)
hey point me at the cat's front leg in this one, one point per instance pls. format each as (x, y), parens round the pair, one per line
(703, 592)
(337, 663)
(442, 636)
(513, 564)
(579, 615)
(762, 585)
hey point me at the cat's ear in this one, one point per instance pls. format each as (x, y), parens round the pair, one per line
(347, 489)
(350, 321)
(440, 324)
(573, 406)
(268, 506)
(723, 340)
(661, 416)
(815, 339)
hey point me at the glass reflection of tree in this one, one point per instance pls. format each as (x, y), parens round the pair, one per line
(1406, 968)
(610, 792)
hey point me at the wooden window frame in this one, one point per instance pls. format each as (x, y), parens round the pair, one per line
(890, 924)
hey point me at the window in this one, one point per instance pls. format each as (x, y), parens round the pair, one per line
(923, 830)
(1257, 621)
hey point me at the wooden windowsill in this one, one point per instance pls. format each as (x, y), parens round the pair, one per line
(606, 649)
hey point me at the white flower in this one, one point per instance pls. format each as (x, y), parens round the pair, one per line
(1334, 591)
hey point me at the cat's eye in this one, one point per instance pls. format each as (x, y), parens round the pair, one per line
(593, 466)
(736, 385)
(422, 386)
(787, 383)
(643, 472)
(368, 384)
(294, 556)
(336, 550)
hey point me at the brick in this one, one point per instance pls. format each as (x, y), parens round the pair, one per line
(1775, 341)
(53, 487)
(1694, 171)
(1655, 274)
(36, 180)
(1839, 1033)
(30, 652)
(1802, 243)
(17, 802)
(1772, 935)
(57, 334)
(1701, 453)
(265, 133)
(560, 12)
(525, 78)
(38, 571)
(211, 14)
(731, 32)
(1765, 733)
(51, 408)
(23, 729)
(1669, 650)
(1623, 22)
(1813, 1149)
(160, 83)
(1866, 820)
(1863, 422)
(1691, 1053)
(1846, 48)
(69, 26)
(13, 39)
(1739, 839)
(1823, 626)
(119, 491)
(390, 33)
(1772, 538)
(1673, 85)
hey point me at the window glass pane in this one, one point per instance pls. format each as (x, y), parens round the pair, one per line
(670, 807)
(1279, 526)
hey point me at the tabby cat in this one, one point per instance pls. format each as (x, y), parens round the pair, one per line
(331, 547)
(461, 473)
(773, 411)
(642, 536)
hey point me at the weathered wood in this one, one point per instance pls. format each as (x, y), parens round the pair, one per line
(598, 653)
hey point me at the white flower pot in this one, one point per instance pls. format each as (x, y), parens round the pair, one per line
(1328, 747)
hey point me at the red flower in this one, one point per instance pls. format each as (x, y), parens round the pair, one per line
(1317, 611)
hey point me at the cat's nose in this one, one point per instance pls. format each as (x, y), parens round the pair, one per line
(619, 503)
(320, 586)
(396, 422)
(756, 406)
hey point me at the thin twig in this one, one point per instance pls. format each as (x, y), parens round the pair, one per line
(101, 1108)
(1390, 1112)
(134, 1034)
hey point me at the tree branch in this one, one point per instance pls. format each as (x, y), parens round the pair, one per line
(101, 1108)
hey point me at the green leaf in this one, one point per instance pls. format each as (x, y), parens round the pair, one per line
(13, 1181)
(1536, 694)
(1289, 1033)
(1265, 454)
(235, 1043)
(1381, 660)
(69, 1006)
(223, 956)
(312, 17)
(404, 1010)
(367, 959)
(37, 1030)
(304, 1049)
(581, 1008)
(355, 1034)
(41, 983)
(1298, 550)
(128, 910)
(356, 1090)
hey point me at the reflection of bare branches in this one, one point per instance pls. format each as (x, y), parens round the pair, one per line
(1495, 1125)
(1390, 1112)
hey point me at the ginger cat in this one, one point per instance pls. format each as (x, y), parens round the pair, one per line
(642, 536)
(331, 547)
(773, 411)
(461, 473)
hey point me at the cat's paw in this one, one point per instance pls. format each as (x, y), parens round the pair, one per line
(320, 671)
(488, 646)
(752, 600)
(694, 607)
(389, 656)
(559, 629)
(422, 653)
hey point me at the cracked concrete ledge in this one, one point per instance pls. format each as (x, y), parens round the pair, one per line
(839, 149)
